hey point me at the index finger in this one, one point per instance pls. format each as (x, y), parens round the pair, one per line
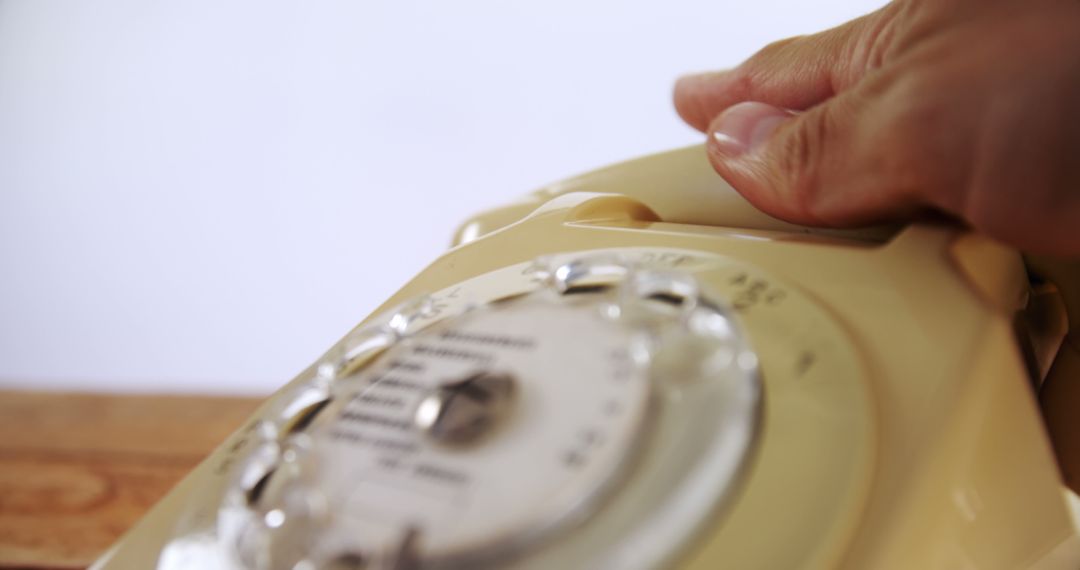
(796, 73)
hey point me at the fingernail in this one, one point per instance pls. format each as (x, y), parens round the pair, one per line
(744, 127)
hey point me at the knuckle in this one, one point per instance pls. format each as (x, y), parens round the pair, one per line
(800, 164)
(761, 66)
(775, 49)
(912, 142)
(883, 31)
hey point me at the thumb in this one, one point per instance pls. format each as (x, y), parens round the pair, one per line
(824, 166)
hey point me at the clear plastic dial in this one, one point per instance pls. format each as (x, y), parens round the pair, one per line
(485, 437)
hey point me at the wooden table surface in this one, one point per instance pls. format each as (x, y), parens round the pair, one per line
(77, 470)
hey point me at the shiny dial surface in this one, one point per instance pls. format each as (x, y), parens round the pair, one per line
(494, 433)
(483, 429)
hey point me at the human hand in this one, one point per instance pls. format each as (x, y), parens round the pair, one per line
(971, 107)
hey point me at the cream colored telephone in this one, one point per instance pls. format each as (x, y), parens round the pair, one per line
(637, 369)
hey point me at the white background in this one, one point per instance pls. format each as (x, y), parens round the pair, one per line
(202, 196)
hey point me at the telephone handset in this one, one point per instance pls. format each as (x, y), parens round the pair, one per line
(636, 369)
(679, 186)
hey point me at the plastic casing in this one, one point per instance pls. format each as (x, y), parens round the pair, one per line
(960, 472)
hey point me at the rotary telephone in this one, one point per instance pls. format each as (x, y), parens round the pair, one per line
(635, 368)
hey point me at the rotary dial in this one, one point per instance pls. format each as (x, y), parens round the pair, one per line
(482, 438)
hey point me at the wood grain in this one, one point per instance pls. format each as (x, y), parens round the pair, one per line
(77, 470)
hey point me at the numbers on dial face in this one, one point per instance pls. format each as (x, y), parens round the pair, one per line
(461, 434)
(495, 424)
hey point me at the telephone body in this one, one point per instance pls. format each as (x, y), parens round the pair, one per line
(635, 368)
